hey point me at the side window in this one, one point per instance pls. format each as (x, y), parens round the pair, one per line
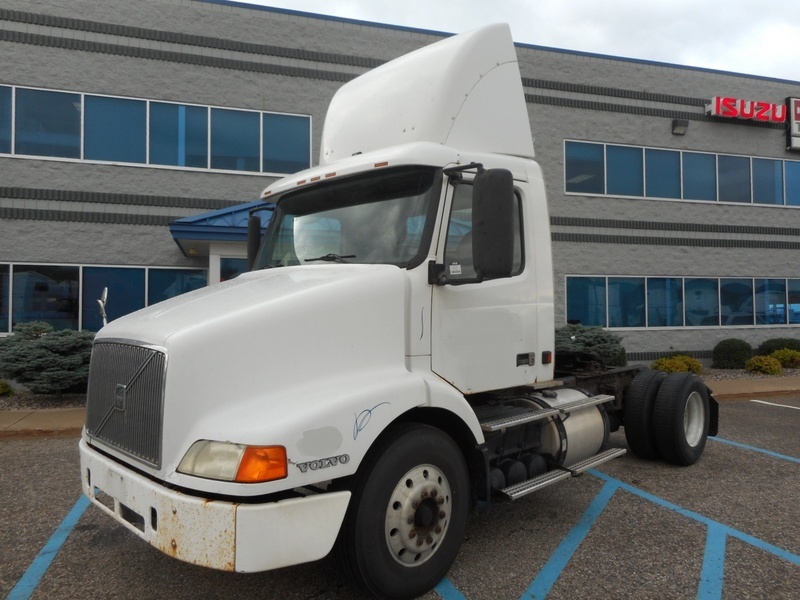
(458, 259)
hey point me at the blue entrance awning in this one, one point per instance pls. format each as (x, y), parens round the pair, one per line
(195, 234)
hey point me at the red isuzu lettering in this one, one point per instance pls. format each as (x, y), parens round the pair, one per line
(736, 108)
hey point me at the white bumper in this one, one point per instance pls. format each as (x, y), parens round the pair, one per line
(222, 535)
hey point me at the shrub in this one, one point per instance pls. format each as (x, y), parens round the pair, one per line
(789, 359)
(5, 388)
(596, 340)
(768, 347)
(47, 361)
(731, 354)
(680, 363)
(764, 364)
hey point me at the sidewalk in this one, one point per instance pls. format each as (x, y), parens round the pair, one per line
(67, 422)
(62, 422)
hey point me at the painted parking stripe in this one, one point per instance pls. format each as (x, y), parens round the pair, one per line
(447, 591)
(550, 573)
(712, 577)
(30, 580)
(776, 404)
(729, 531)
(756, 449)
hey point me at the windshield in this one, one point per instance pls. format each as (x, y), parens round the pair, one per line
(383, 218)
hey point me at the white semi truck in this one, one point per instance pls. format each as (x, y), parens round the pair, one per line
(388, 362)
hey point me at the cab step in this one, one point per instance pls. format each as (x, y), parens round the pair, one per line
(536, 414)
(559, 474)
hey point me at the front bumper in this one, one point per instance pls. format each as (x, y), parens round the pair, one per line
(222, 535)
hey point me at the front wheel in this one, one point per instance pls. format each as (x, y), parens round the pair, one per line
(681, 418)
(408, 514)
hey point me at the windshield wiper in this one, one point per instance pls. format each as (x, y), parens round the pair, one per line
(332, 258)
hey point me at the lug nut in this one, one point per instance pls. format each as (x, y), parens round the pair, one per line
(412, 534)
(442, 514)
(438, 529)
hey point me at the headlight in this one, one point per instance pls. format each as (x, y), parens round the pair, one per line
(235, 462)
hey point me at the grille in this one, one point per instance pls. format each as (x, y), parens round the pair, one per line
(125, 403)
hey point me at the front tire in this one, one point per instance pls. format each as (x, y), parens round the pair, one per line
(407, 517)
(681, 418)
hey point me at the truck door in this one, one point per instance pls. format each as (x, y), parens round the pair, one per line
(484, 333)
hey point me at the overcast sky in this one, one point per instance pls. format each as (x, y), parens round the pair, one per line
(743, 36)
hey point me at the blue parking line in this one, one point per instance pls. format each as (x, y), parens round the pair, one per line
(447, 591)
(712, 577)
(550, 573)
(756, 449)
(33, 576)
(729, 531)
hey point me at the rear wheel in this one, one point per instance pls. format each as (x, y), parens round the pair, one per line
(637, 417)
(408, 513)
(681, 418)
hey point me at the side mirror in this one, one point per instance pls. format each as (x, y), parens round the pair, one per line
(493, 223)
(253, 240)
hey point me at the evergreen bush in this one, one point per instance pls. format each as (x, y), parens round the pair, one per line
(789, 359)
(5, 388)
(47, 361)
(732, 353)
(764, 364)
(679, 363)
(768, 347)
(596, 340)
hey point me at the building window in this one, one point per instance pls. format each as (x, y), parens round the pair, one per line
(736, 301)
(229, 268)
(594, 168)
(125, 293)
(46, 293)
(48, 123)
(146, 132)
(663, 173)
(767, 181)
(733, 173)
(792, 182)
(114, 129)
(664, 302)
(163, 284)
(5, 299)
(5, 120)
(770, 301)
(235, 140)
(699, 176)
(586, 301)
(621, 302)
(585, 170)
(793, 297)
(626, 302)
(625, 172)
(178, 135)
(286, 143)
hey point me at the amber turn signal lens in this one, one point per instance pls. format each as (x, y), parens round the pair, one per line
(262, 463)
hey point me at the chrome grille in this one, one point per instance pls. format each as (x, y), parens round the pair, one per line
(125, 404)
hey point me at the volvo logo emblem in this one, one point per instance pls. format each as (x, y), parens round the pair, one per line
(119, 397)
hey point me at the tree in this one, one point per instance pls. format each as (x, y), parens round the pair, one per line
(47, 361)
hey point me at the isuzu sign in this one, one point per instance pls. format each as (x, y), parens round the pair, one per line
(793, 131)
(752, 110)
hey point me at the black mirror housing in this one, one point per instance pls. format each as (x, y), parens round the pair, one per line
(253, 240)
(493, 223)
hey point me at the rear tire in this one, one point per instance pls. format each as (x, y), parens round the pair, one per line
(637, 417)
(407, 517)
(681, 418)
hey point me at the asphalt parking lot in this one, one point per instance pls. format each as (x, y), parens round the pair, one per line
(728, 527)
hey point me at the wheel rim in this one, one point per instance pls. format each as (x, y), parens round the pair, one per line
(418, 515)
(694, 419)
